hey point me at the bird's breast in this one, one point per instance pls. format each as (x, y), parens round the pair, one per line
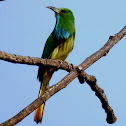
(63, 49)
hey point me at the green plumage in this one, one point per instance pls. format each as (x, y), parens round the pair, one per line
(62, 36)
(58, 46)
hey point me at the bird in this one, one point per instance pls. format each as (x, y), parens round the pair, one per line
(57, 47)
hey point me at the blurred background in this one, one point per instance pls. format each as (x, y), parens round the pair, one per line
(24, 29)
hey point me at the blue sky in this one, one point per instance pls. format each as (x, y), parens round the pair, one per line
(24, 28)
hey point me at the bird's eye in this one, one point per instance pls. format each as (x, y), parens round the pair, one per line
(67, 12)
(64, 11)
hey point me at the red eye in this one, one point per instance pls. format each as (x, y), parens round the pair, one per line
(67, 12)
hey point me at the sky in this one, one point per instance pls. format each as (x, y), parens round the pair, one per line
(24, 29)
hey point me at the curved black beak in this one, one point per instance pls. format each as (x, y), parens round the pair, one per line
(56, 10)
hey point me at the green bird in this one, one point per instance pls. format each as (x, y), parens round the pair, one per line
(58, 46)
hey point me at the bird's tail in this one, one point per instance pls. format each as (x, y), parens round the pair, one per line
(39, 111)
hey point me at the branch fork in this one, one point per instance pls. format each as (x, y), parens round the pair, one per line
(73, 73)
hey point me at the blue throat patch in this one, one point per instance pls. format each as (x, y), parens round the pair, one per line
(60, 33)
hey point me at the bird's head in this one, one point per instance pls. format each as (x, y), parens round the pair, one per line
(63, 12)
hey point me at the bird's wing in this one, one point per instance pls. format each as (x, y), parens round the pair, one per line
(49, 47)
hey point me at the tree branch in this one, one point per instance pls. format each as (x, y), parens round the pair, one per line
(13, 58)
(91, 80)
(104, 50)
(67, 79)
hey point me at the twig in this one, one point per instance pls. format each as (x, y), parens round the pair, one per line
(104, 50)
(91, 80)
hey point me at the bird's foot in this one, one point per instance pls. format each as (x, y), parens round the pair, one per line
(70, 66)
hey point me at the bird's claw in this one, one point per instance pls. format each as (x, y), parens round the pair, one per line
(70, 66)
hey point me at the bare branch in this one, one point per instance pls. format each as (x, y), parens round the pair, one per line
(34, 105)
(91, 80)
(34, 61)
(104, 50)
(67, 79)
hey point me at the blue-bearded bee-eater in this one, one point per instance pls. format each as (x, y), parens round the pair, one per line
(58, 46)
